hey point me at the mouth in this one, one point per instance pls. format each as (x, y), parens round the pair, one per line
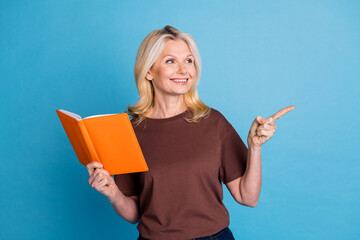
(179, 80)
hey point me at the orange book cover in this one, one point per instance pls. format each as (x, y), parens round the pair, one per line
(109, 139)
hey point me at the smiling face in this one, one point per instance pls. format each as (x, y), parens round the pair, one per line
(173, 72)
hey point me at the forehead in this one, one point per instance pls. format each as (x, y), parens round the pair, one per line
(176, 47)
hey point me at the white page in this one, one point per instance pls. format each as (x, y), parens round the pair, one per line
(77, 117)
(100, 115)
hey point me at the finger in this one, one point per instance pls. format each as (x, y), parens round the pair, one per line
(93, 176)
(99, 185)
(256, 123)
(265, 126)
(96, 173)
(100, 177)
(265, 133)
(92, 166)
(102, 171)
(97, 180)
(260, 120)
(270, 121)
(282, 112)
(104, 183)
(269, 125)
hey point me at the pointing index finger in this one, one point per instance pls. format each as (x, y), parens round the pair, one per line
(282, 112)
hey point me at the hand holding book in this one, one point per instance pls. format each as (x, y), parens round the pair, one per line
(102, 181)
(107, 139)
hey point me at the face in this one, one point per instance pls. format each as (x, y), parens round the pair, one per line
(174, 70)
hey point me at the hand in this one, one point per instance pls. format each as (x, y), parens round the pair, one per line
(102, 181)
(262, 129)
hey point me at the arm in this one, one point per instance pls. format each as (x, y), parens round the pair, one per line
(246, 189)
(103, 182)
(126, 207)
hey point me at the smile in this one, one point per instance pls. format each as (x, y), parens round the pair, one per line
(179, 80)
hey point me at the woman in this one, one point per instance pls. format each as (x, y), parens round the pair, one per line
(189, 148)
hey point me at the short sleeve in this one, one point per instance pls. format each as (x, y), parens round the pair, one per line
(128, 184)
(233, 153)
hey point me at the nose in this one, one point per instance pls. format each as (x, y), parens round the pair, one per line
(182, 69)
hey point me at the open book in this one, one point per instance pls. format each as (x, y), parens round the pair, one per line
(108, 139)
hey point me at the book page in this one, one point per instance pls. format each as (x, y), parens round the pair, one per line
(77, 117)
(100, 115)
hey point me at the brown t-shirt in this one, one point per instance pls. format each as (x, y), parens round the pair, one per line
(181, 194)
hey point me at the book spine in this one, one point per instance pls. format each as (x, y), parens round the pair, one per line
(93, 154)
(136, 144)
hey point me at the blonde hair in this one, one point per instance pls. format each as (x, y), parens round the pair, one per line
(149, 50)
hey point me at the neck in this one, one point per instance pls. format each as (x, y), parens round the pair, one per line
(168, 108)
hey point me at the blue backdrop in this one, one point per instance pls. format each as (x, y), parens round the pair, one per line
(258, 57)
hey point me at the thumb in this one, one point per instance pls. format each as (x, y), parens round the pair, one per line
(258, 120)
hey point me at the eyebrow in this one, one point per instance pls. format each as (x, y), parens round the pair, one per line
(190, 55)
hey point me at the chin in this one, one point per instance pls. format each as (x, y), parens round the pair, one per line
(179, 93)
(182, 91)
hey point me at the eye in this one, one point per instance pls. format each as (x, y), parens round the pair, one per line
(169, 61)
(189, 60)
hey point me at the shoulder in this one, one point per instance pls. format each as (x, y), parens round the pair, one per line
(136, 124)
(223, 125)
(217, 116)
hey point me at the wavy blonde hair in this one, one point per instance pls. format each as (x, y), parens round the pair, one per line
(149, 50)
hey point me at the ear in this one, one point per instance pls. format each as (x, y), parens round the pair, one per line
(149, 76)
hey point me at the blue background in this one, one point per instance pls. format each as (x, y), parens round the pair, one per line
(258, 57)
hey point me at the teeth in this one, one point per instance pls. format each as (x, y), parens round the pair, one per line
(179, 80)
